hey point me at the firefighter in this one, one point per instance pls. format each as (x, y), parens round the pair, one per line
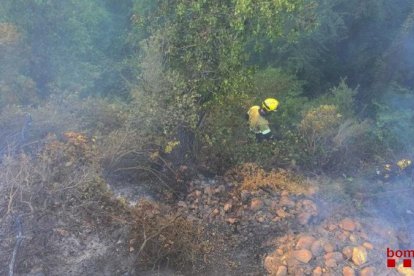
(257, 121)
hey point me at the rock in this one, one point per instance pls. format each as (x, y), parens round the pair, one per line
(281, 213)
(216, 212)
(347, 224)
(271, 264)
(317, 271)
(302, 255)
(281, 271)
(341, 236)
(368, 245)
(406, 271)
(256, 204)
(231, 220)
(279, 252)
(329, 247)
(316, 248)
(353, 238)
(198, 193)
(368, 271)
(227, 207)
(305, 242)
(261, 219)
(348, 271)
(347, 251)
(337, 256)
(304, 218)
(331, 263)
(285, 201)
(359, 255)
(332, 227)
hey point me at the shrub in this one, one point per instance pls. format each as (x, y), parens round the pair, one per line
(394, 116)
(318, 128)
(164, 238)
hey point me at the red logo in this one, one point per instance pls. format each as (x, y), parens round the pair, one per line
(407, 255)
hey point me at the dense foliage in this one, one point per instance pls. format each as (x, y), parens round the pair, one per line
(187, 71)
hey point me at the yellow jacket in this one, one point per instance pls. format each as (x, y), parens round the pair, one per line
(257, 123)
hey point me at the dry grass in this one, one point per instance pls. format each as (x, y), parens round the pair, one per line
(54, 180)
(252, 177)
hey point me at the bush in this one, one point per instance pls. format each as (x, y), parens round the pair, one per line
(318, 128)
(394, 116)
(333, 139)
(163, 238)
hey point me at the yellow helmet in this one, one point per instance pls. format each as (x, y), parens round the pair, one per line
(270, 104)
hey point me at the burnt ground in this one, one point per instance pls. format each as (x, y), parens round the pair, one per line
(324, 231)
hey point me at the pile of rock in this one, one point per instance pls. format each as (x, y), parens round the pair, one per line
(331, 248)
(219, 202)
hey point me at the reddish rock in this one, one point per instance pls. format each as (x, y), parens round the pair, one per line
(348, 271)
(281, 271)
(317, 271)
(329, 247)
(279, 252)
(316, 248)
(331, 263)
(342, 236)
(368, 245)
(302, 255)
(281, 213)
(368, 271)
(198, 193)
(305, 242)
(337, 256)
(348, 224)
(271, 264)
(231, 220)
(227, 207)
(256, 204)
(347, 251)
